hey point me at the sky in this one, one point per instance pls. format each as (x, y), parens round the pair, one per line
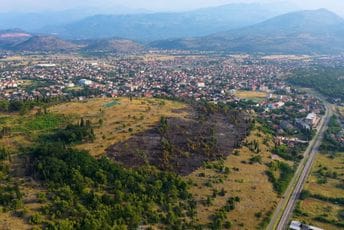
(152, 5)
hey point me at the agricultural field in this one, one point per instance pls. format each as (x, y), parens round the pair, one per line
(243, 175)
(117, 120)
(322, 201)
(251, 95)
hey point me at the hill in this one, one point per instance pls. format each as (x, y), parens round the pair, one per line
(112, 45)
(96, 158)
(45, 43)
(318, 31)
(155, 26)
(18, 40)
(12, 37)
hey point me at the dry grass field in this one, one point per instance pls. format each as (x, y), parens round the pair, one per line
(315, 208)
(330, 188)
(9, 222)
(251, 95)
(165, 57)
(118, 122)
(245, 180)
(157, 57)
(288, 57)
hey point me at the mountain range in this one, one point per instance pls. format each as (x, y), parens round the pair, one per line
(35, 21)
(302, 32)
(154, 26)
(317, 31)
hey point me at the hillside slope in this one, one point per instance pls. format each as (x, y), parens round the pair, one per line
(318, 31)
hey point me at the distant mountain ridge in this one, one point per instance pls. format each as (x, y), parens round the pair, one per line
(302, 32)
(317, 31)
(19, 40)
(155, 26)
(12, 37)
(45, 43)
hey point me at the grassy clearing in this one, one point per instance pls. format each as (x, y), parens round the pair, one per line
(117, 123)
(251, 95)
(238, 177)
(312, 209)
(40, 123)
(24, 129)
(32, 123)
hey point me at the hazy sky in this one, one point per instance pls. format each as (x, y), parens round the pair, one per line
(153, 5)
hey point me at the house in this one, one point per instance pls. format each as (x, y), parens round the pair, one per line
(312, 119)
(276, 105)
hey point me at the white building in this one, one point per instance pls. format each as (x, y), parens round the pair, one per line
(70, 85)
(312, 119)
(85, 82)
(296, 225)
(46, 65)
(201, 84)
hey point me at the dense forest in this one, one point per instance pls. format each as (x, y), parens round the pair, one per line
(328, 81)
(86, 193)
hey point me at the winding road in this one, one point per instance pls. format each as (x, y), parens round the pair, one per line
(284, 209)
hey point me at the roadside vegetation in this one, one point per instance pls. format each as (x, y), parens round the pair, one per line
(322, 200)
(242, 174)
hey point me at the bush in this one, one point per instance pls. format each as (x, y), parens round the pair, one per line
(281, 183)
(305, 194)
(36, 219)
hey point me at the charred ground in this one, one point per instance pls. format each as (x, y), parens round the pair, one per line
(183, 145)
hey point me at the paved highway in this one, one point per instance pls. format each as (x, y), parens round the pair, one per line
(284, 209)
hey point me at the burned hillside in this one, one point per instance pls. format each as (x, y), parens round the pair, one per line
(183, 145)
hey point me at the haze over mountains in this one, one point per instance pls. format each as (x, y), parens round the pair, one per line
(235, 28)
(155, 26)
(35, 21)
(318, 31)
